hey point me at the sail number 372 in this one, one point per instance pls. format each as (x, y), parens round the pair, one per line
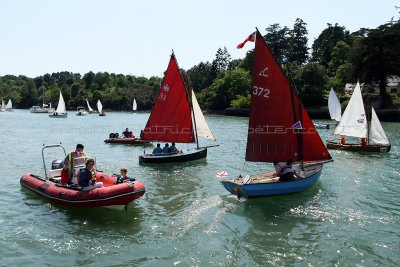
(259, 91)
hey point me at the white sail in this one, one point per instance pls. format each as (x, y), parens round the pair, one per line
(354, 121)
(61, 105)
(99, 106)
(9, 105)
(134, 106)
(3, 106)
(89, 107)
(377, 135)
(335, 110)
(201, 123)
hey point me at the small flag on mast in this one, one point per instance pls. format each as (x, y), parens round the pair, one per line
(250, 38)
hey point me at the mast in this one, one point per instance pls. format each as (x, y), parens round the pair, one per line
(369, 118)
(299, 132)
(43, 96)
(189, 95)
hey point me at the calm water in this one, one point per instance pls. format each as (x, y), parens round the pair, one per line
(186, 218)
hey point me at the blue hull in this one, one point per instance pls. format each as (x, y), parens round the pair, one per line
(270, 189)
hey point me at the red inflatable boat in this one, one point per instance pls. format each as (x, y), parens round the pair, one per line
(50, 186)
(111, 194)
(125, 140)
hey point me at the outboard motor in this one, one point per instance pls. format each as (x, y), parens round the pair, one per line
(57, 164)
(114, 135)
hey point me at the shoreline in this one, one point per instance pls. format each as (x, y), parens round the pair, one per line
(387, 115)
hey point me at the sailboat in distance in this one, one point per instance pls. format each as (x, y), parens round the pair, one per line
(9, 106)
(3, 106)
(134, 105)
(176, 117)
(356, 123)
(279, 130)
(90, 109)
(335, 109)
(60, 111)
(100, 108)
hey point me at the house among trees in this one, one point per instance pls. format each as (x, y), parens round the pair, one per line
(392, 86)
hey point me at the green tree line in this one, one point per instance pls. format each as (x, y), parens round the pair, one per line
(116, 91)
(336, 57)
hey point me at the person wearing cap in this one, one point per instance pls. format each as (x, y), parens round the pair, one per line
(69, 160)
(87, 178)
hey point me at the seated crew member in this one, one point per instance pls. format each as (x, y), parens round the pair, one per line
(173, 149)
(127, 133)
(288, 173)
(166, 149)
(86, 178)
(123, 176)
(278, 168)
(158, 150)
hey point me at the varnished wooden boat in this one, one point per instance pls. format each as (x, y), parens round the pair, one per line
(357, 147)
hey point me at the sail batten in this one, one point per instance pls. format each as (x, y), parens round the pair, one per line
(353, 122)
(335, 110)
(279, 126)
(171, 119)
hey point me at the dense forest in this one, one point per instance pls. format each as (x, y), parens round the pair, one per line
(336, 57)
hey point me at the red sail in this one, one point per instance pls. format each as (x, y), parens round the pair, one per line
(279, 127)
(170, 119)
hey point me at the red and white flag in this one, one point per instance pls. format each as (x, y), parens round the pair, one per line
(222, 174)
(251, 38)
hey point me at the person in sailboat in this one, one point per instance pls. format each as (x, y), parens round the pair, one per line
(342, 140)
(363, 141)
(278, 168)
(166, 149)
(287, 173)
(173, 149)
(69, 160)
(157, 150)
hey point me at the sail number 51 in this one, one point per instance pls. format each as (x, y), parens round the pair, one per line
(259, 91)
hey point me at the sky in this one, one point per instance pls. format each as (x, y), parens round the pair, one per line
(136, 37)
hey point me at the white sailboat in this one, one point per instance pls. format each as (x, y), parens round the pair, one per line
(134, 105)
(335, 109)
(89, 107)
(9, 105)
(100, 108)
(354, 123)
(61, 110)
